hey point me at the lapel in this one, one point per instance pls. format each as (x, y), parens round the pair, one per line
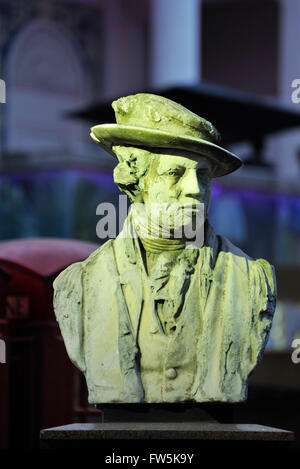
(204, 272)
(206, 263)
(130, 278)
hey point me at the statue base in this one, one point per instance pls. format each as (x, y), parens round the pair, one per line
(148, 438)
(179, 412)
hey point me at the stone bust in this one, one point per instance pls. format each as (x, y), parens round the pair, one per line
(155, 318)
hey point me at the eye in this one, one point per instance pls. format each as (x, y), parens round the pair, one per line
(173, 172)
(177, 172)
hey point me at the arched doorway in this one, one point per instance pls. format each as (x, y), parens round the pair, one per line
(45, 78)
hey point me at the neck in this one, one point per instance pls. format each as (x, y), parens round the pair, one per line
(154, 237)
(160, 245)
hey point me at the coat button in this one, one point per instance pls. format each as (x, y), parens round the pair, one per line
(171, 373)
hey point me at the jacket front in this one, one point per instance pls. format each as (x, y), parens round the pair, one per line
(227, 316)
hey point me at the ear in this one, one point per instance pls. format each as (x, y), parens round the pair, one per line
(124, 175)
(133, 164)
(126, 179)
(123, 154)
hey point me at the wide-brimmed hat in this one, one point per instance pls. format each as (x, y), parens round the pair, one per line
(151, 121)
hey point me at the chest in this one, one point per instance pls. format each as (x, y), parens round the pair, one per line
(167, 360)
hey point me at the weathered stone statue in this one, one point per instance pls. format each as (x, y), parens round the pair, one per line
(156, 318)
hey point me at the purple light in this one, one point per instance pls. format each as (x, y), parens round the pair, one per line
(104, 178)
(254, 195)
(100, 177)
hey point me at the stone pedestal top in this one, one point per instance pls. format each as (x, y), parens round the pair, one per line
(166, 430)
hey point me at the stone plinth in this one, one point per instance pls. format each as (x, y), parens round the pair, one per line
(199, 435)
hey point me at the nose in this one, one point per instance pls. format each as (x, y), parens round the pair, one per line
(190, 184)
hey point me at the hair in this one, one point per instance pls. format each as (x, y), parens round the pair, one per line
(133, 165)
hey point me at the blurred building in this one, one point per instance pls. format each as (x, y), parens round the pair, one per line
(61, 56)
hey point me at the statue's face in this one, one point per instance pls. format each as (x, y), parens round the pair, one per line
(174, 178)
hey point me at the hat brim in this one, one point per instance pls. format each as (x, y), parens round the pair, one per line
(108, 135)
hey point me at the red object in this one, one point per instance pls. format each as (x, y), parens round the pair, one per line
(39, 385)
(4, 375)
(45, 256)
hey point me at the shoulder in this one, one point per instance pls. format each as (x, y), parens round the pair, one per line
(101, 254)
(70, 279)
(265, 272)
(225, 245)
(67, 279)
(249, 265)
